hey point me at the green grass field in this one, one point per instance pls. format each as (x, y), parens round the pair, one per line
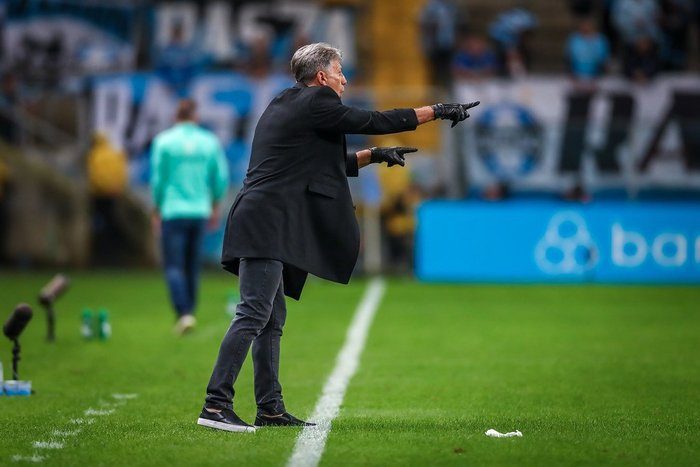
(590, 375)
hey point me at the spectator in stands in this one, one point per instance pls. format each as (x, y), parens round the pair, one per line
(587, 51)
(676, 16)
(179, 61)
(107, 175)
(438, 22)
(642, 62)
(635, 19)
(399, 218)
(636, 22)
(474, 58)
(511, 31)
(106, 168)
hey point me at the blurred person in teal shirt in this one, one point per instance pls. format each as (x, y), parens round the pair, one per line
(587, 51)
(189, 176)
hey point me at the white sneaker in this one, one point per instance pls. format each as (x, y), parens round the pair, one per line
(185, 324)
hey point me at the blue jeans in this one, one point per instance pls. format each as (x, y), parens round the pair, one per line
(181, 241)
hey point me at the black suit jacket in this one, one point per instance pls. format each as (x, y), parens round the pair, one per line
(295, 204)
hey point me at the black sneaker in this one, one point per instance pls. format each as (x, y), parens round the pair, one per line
(283, 419)
(224, 419)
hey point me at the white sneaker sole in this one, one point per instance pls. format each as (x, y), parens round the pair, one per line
(225, 426)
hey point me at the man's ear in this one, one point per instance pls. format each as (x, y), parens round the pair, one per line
(322, 78)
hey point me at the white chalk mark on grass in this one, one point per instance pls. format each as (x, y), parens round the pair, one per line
(63, 434)
(35, 458)
(98, 412)
(81, 421)
(48, 445)
(66, 433)
(312, 440)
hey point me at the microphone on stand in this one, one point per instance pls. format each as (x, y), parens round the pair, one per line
(13, 328)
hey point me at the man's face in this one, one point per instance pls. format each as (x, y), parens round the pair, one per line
(333, 77)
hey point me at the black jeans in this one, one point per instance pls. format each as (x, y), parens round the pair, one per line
(259, 320)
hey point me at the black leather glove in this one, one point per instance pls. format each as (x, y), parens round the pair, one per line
(454, 112)
(392, 156)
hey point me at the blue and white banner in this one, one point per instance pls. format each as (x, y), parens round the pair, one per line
(546, 134)
(224, 30)
(550, 241)
(68, 37)
(131, 109)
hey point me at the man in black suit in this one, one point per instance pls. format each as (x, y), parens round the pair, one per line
(295, 216)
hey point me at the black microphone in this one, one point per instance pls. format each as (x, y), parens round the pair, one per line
(53, 289)
(17, 321)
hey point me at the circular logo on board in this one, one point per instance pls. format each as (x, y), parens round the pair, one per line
(567, 246)
(509, 140)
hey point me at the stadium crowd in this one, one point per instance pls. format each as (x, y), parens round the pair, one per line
(636, 39)
(639, 38)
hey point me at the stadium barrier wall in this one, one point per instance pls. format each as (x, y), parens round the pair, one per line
(555, 241)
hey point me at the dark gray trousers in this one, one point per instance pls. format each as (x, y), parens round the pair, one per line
(259, 320)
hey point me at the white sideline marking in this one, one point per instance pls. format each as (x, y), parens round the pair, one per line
(312, 440)
(125, 396)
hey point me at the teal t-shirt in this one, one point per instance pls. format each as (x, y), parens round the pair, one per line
(189, 172)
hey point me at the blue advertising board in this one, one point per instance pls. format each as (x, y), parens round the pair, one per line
(553, 241)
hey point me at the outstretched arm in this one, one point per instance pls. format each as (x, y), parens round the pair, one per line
(328, 113)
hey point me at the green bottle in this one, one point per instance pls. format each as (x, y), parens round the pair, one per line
(86, 329)
(104, 329)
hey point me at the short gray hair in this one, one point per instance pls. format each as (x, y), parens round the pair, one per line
(310, 59)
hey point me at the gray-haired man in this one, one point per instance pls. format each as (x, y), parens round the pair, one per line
(294, 216)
